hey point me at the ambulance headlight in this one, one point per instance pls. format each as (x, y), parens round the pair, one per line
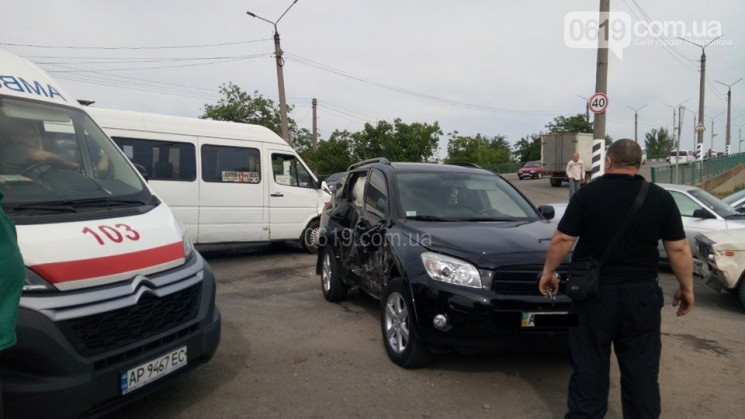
(188, 246)
(33, 282)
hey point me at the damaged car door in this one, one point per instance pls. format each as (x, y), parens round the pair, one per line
(369, 235)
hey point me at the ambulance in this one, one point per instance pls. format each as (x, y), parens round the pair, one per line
(116, 302)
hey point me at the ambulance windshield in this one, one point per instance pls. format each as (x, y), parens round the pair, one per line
(54, 156)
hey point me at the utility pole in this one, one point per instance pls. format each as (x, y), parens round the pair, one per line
(601, 86)
(280, 76)
(681, 109)
(636, 121)
(729, 113)
(315, 124)
(700, 126)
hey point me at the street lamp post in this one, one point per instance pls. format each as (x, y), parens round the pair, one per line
(636, 121)
(711, 150)
(587, 107)
(280, 76)
(700, 126)
(729, 104)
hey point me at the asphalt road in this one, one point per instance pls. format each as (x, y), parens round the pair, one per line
(288, 353)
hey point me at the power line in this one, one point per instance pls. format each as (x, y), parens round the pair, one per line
(135, 47)
(517, 112)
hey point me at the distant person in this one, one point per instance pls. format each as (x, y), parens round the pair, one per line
(12, 274)
(576, 173)
(21, 148)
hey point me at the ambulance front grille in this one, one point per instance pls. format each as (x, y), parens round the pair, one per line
(152, 315)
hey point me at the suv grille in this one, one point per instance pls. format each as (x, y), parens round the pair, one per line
(151, 315)
(519, 280)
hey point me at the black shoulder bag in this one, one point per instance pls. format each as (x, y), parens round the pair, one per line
(584, 272)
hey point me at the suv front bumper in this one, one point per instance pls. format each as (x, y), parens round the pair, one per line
(483, 316)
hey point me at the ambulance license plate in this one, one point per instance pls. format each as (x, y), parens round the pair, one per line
(150, 371)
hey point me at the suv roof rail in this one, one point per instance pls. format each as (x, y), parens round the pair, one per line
(465, 164)
(369, 161)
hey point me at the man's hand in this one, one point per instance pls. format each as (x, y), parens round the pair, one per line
(684, 298)
(549, 283)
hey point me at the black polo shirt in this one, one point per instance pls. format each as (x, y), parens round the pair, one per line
(595, 212)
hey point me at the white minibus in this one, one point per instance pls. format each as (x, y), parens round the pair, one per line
(228, 183)
(116, 302)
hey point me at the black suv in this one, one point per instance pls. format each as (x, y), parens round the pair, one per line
(452, 252)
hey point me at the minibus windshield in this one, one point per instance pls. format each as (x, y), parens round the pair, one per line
(51, 154)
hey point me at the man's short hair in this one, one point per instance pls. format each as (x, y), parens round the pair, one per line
(625, 153)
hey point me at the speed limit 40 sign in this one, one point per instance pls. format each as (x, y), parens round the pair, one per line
(598, 102)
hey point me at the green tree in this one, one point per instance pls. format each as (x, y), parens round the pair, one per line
(397, 141)
(238, 106)
(658, 143)
(479, 149)
(576, 123)
(331, 156)
(528, 148)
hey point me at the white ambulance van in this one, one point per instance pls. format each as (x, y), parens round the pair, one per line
(116, 302)
(227, 182)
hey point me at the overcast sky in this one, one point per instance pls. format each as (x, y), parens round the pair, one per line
(475, 66)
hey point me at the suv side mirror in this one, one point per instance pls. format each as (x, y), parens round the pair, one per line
(703, 213)
(325, 187)
(547, 211)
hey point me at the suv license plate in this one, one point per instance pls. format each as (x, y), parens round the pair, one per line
(155, 369)
(548, 319)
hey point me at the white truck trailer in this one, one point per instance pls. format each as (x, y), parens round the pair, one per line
(558, 148)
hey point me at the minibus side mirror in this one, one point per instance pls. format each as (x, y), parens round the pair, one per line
(140, 168)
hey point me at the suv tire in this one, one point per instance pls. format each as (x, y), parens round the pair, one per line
(332, 285)
(398, 327)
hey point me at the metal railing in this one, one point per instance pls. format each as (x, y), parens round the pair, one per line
(696, 172)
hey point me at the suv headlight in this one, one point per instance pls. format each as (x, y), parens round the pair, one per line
(451, 270)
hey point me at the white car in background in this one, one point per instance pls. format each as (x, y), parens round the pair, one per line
(700, 212)
(737, 200)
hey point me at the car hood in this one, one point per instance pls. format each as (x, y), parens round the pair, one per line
(486, 244)
(733, 239)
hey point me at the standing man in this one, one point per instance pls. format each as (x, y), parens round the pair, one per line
(576, 173)
(626, 313)
(12, 273)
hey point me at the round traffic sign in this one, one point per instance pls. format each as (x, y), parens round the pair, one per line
(598, 102)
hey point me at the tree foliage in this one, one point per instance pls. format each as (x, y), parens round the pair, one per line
(658, 143)
(238, 106)
(331, 156)
(479, 149)
(528, 148)
(575, 123)
(396, 141)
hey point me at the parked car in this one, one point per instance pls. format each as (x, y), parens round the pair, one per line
(453, 253)
(532, 169)
(701, 212)
(682, 156)
(722, 265)
(736, 200)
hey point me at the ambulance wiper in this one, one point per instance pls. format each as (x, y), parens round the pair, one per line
(60, 206)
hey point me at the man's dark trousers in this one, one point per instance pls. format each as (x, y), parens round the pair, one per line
(628, 316)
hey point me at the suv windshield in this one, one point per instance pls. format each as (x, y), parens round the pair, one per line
(53, 156)
(456, 196)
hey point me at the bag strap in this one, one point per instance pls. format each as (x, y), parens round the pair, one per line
(634, 209)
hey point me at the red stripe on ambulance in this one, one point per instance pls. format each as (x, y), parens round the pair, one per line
(109, 265)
